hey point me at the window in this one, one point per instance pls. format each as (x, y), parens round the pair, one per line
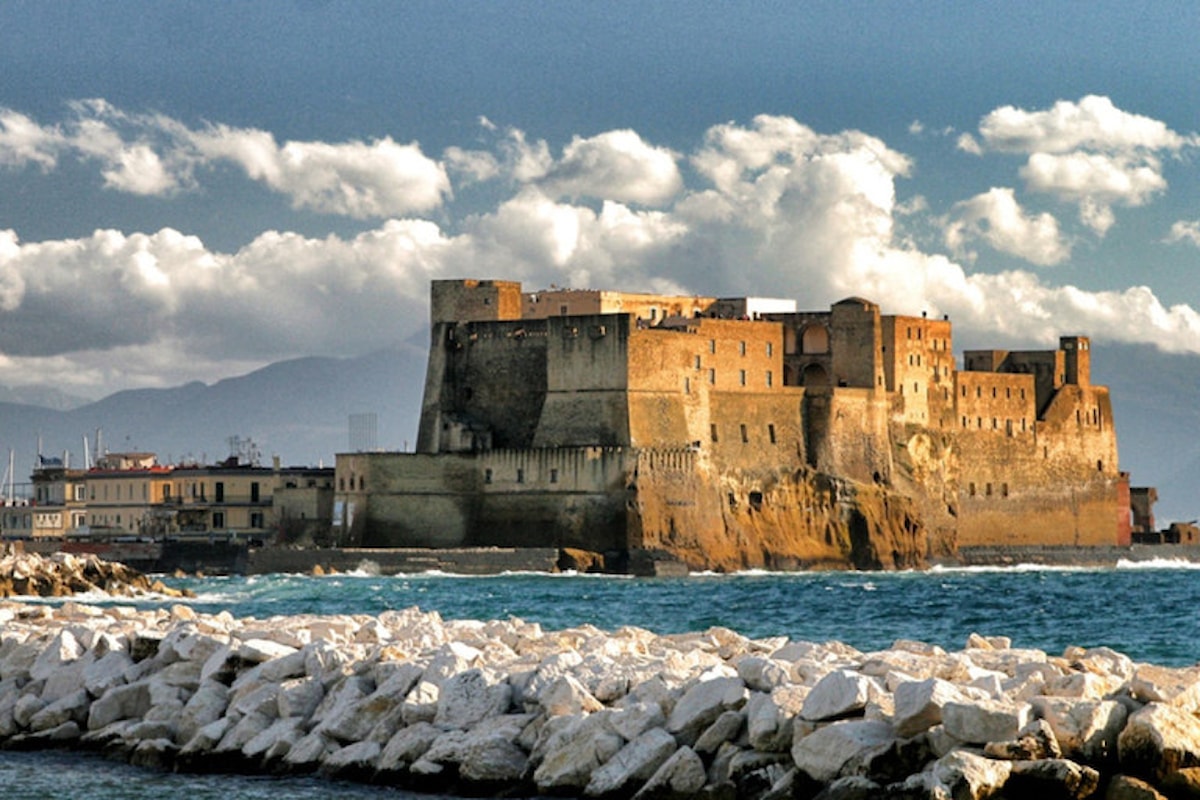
(712, 376)
(554, 476)
(218, 519)
(770, 349)
(562, 311)
(745, 435)
(713, 431)
(487, 475)
(256, 519)
(971, 489)
(771, 432)
(742, 376)
(741, 348)
(520, 475)
(687, 385)
(254, 492)
(697, 362)
(770, 379)
(712, 345)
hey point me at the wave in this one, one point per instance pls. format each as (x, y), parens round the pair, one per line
(1021, 567)
(1158, 563)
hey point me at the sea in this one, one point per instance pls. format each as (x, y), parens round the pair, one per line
(1148, 610)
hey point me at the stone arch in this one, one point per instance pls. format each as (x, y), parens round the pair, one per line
(814, 377)
(815, 339)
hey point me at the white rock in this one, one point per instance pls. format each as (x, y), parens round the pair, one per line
(207, 705)
(421, 703)
(71, 708)
(1087, 730)
(637, 761)
(840, 693)
(469, 698)
(576, 752)
(768, 726)
(982, 721)
(703, 703)
(493, 757)
(634, 719)
(357, 756)
(726, 728)
(300, 697)
(681, 775)
(762, 674)
(824, 753)
(566, 695)
(1177, 686)
(62, 649)
(966, 776)
(918, 705)
(407, 746)
(129, 701)
(1159, 739)
(277, 739)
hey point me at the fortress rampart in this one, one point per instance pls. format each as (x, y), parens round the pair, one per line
(728, 433)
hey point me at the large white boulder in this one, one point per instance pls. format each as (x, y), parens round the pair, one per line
(829, 750)
(577, 751)
(1086, 730)
(681, 775)
(839, 694)
(1158, 740)
(918, 705)
(468, 698)
(636, 762)
(703, 703)
(982, 721)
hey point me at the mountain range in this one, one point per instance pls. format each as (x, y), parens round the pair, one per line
(300, 411)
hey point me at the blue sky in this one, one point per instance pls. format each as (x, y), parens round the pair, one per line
(189, 191)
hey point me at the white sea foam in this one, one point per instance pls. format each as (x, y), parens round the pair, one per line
(1158, 563)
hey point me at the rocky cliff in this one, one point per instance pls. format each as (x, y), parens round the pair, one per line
(776, 519)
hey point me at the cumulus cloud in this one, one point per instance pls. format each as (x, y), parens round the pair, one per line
(997, 218)
(768, 207)
(1184, 231)
(23, 141)
(1093, 123)
(1089, 152)
(357, 179)
(151, 154)
(615, 165)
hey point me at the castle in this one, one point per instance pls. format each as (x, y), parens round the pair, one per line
(735, 433)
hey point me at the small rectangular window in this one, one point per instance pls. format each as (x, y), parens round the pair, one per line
(770, 349)
(741, 348)
(771, 432)
(745, 435)
(554, 476)
(712, 345)
(770, 379)
(712, 376)
(742, 376)
(487, 475)
(713, 430)
(520, 475)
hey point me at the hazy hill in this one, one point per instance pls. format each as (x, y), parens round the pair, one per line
(300, 410)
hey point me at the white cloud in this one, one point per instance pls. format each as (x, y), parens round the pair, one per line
(996, 218)
(1184, 231)
(23, 141)
(1090, 153)
(616, 165)
(357, 179)
(1094, 123)
(967, 143)
(769, 207)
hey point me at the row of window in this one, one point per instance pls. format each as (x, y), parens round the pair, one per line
(1007, 392)
(712, 348)
(744, 431)
(743, 378)
(1009, 428)
(987, 489)
(489, 475)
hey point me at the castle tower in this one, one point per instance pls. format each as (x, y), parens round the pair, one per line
(1078, 366)
(470, 300)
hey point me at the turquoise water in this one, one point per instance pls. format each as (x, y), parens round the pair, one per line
(1150, 612)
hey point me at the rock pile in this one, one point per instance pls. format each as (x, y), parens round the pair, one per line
(505, 707)
(63, 575)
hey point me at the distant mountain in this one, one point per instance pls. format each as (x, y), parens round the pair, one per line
(300, 409)
(1156, 401)
(45, 396)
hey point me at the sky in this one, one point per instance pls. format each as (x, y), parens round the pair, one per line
(193, 190)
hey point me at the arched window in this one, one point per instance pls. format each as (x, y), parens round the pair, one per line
(815, 339)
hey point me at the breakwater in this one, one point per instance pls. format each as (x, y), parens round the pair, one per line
(407, 698)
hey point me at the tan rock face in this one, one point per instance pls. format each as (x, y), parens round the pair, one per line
(788, 519)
